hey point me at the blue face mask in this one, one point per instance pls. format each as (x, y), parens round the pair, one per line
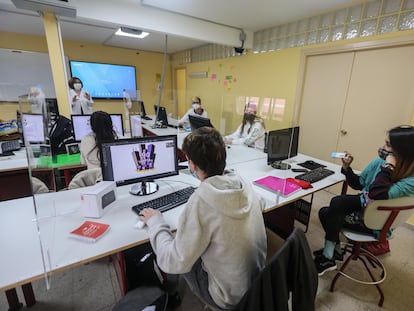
(193, 173)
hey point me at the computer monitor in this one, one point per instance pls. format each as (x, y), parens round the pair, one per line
(282, 145)
(197, 122)
(161, 116)
(33, 127)
(52, 106)
(81, 125)
(142, 108)
(139, 161)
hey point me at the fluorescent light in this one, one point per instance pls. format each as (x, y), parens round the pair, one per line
(130, 32)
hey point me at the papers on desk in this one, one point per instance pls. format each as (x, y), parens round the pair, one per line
(90, 231)
(277, 185)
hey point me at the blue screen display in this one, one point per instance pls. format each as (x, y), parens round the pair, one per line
(104, 80)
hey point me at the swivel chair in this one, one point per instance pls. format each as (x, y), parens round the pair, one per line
(381, 216)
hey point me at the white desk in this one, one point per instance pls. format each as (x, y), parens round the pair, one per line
(255, 169)
(59, 213)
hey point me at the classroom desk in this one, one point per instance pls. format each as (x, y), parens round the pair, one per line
(14, 175)
(59, 213)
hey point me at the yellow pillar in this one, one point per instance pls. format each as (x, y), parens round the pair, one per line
(57, 61)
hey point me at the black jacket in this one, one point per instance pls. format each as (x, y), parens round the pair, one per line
(290, 270)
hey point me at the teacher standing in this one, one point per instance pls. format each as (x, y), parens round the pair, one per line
(81, 100)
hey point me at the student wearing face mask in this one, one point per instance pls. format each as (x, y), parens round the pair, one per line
(195, 110)
(250, 132)
(81, 100)
(220, 243)
(389, 176)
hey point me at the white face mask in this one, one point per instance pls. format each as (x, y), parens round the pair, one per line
(196, 106)
(77, 86)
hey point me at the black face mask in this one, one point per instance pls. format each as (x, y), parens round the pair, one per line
(249, 117)
(382, 153)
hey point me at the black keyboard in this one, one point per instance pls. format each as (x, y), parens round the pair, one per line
(166, 202)
(311, 165)
(145, 118)
(315, 175)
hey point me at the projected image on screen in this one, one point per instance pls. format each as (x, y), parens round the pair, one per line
(104, 80)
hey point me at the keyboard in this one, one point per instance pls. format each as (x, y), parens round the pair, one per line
(166, 202)
(311, 165)
(315, 175)
(145, 118)
(7, 147)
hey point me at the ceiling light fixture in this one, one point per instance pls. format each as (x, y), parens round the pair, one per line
(130, 32)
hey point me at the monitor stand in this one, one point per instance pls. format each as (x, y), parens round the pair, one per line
(279, 165)
(144, 188)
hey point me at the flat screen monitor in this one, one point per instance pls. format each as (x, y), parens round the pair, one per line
(81, 125)
(197, 122)
(140, 160)
(104, 80)
(52, 106)
(33, 128)
(161, 115)
(282, 145)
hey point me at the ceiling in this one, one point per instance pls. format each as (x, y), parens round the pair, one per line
(187, 22)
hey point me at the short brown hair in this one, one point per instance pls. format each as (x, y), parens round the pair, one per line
(206, 148)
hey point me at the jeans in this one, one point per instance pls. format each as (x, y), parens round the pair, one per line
(197, 280)
(332, 217)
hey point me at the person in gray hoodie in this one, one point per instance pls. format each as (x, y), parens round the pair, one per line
(220, 245)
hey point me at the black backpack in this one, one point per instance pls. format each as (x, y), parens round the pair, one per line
(60, 134)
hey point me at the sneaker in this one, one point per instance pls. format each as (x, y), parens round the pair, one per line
(336, 256)
(324, 264)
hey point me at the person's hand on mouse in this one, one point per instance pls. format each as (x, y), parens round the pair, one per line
(147, 213)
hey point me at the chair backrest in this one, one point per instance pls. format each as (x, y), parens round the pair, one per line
(86, 178)
(290, 273)
(385, 214)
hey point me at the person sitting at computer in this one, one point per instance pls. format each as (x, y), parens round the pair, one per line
(220, 244)
(81, 100)
(390, 175)
(251, 131)
(102, 130)
(195, 110)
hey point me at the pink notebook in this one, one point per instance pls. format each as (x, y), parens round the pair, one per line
(277, 185)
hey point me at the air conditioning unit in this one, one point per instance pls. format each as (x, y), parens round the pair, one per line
(58, 7)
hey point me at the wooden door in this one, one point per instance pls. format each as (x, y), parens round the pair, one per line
(380, 96)
(323, 98)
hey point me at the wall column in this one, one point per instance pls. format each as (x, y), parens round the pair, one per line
(57, 61)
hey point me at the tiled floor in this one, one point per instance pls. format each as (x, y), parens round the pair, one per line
(94, 287)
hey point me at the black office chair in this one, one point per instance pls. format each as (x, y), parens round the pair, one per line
(290, 271)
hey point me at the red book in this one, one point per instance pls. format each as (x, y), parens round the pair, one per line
(277, 185)
(90, 231)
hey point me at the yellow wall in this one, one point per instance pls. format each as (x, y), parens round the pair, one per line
(148, 68)
(272, 74)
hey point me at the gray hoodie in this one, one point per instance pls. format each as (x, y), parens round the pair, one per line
(223, 224)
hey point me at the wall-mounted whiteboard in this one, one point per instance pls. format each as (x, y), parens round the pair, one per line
(20, 70)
